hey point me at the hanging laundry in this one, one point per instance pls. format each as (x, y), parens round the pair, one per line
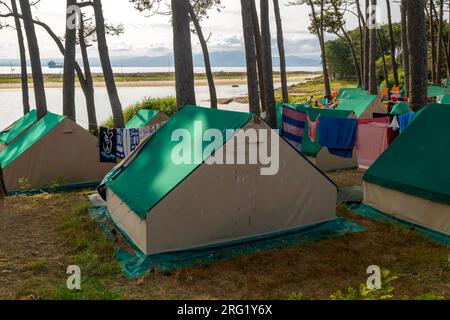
(404, 120)
(127, 141)
(372, 141)
(293, 127)
(312, 132)
(108, 145)
(394, 124)
(338, 135)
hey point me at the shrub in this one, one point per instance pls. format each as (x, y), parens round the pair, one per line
(167, 105)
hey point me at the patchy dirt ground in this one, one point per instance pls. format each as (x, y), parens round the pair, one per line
(41, 235)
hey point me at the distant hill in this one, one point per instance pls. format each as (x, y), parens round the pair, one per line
(218, 59)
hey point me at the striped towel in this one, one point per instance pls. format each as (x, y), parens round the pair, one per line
(293, 127)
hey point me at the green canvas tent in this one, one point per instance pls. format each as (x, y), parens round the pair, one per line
(436, 91)
(145, 118)
(360, 102)
(411, 180)
(53, 150)
(445, 99)
(162, 205)
(400, 108)
(323, 159)
(9, 134)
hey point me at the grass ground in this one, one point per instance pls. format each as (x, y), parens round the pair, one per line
(41, 235)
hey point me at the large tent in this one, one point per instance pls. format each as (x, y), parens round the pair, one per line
(162, 206)
(360, 102)
(411, 180)
(8, 135)
(315, 153)
(53, 150)
(146, 117)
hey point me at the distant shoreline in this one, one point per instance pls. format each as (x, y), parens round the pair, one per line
(9, 82)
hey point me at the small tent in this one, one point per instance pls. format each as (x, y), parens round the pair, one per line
(360, 102)
(315, 153)
(436, 91)
(146, 117)
(8, 135)
(445, 99)
(53, 150)
(400, 108)
(162, 206)
(411, 180)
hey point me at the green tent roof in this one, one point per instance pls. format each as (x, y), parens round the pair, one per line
(141, 119)
(30, 137)
(310, 148)
(445, 99)
(417, 163)
(153, 174)
(18, 127)
(400, 108)
(356, 100)
(436, 91)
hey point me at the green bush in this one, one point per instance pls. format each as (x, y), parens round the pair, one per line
(167, 105)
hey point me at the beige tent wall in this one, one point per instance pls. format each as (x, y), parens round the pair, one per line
(127, 220)
(67, 151)
(327, 162)
(423, 212)
(159, 118)
(221, 203)
(377, 106)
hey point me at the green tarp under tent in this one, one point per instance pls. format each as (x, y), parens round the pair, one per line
(53, 152)
(163, 205)
(360, 102)
(315, 153)
(146, 117)
(400, 108)
(8, 135)
(411, 180)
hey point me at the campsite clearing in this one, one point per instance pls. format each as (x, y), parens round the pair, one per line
(34, 257)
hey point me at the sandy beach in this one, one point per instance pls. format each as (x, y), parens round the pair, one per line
(169, 83)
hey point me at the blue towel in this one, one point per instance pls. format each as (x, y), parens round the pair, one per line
(338, 135)
(404, 120)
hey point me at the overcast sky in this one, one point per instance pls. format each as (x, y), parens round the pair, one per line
(152, 36)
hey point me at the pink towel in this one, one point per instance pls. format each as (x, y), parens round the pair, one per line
(313, 128)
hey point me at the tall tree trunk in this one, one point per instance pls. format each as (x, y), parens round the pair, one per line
(405, 46)
(35, 58)
(203, 44)
(417, 53)
(373, 88)
(103, 51)
(361, 51)
(361, 24)
(267, 65)
(392, 43)
(318, 23)
(182, 47)
(259, 54)
(367, 48)
(448, 46)
(280, 40)
(440, 53)
(3, 192)
(69, 65)
(433, 44)
(250, 55)
(383, 57)
(23, 59)
(89, 82)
